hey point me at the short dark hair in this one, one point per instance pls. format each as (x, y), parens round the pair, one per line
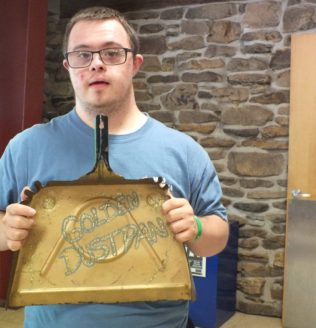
(101, 13)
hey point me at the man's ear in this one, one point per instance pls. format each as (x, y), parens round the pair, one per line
(137, 63)
(65, 64)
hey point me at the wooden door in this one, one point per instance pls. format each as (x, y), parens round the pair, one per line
(22, 43)
(302, 143)
(300, 250)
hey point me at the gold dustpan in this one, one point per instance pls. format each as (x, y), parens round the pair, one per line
(99, 239)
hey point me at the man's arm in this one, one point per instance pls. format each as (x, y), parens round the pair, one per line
(214, 230)
(214, 236)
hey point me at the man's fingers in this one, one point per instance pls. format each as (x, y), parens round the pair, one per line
(21, 210)
(172, 204)
(19, 222)
(17, 234)
(14, 245)
(17, 227)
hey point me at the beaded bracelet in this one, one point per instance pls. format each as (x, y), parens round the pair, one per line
(199, 227)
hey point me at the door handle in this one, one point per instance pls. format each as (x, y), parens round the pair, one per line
(297, 193)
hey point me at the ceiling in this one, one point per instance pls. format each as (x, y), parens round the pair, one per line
(69, 7)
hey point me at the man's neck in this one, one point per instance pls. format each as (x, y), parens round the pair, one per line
(131, 122)
(120, 121)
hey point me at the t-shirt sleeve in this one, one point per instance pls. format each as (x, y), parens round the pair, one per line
(206, 192)
(8, 180)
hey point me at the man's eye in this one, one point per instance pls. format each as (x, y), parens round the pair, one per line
(83, 55)
(112, 53)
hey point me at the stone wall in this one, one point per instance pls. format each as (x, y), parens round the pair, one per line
(220, 73)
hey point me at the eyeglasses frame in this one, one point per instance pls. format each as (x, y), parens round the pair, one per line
(126, 50)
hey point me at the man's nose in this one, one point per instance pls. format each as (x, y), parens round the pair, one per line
(96, 62)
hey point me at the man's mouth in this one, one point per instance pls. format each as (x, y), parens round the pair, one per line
(99, 82)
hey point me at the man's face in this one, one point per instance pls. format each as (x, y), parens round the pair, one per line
(101, 88)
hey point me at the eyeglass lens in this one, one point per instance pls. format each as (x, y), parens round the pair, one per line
(110, 56)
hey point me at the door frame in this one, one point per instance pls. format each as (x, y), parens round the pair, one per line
(23, 27)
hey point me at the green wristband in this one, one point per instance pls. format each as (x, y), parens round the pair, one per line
(199, 227)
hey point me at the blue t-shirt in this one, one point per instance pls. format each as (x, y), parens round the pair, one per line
(64, 149)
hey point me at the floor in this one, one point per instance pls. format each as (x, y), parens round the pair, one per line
(14, 319)
(241, 320)
(11, 318)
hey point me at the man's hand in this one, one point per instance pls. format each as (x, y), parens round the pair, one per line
(180, 217)
(16, 224)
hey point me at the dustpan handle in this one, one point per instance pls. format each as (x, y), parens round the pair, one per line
(102, 140)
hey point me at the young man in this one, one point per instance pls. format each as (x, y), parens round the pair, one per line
(101, 56)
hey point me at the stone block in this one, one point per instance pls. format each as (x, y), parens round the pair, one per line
(231, 94)
(153, 45)
(269, 36)
(276, 242)
(224, 32)
(212, 11)
(273, 97)
(247, 64)
(299, 19)
(255, 183)
(188, 116)
(232, 192)
(187, 43)
(251, 207)
(163, 79)
(218, 50)
(246, 116)
(267, 144)
(151, 28)
(260, 307)
(181, 97)
(281, 59)
(242, 132)
(263, 14)
(172, 14)
(275, 131)
(206, 76)
(255, 164)
(252, 286)
(217, 142)
(195, 27)
(249, 78)
(257, 48)
(206, 128)
(151, 64)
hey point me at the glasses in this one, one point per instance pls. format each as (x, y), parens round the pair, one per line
(109, 56)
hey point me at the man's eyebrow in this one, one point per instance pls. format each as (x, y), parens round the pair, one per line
(103, 46)
(80, 46)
